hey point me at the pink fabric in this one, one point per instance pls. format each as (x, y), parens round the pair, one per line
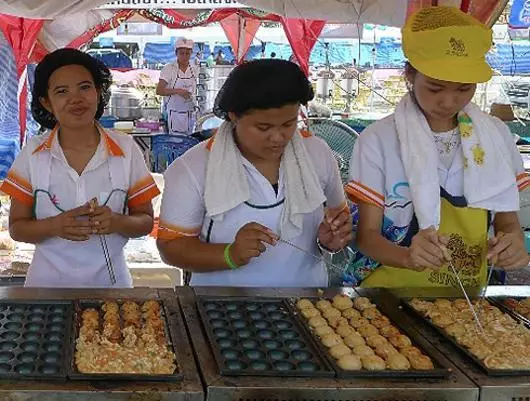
(302, 35)
(240, 32)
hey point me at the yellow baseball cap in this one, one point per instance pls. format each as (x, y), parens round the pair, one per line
(447, 44)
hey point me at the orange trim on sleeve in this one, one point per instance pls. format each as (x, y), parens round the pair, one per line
(358, 192)
(306, 133)
(210, 142)
(143, 191)
(15, 192)
(170, 232)
(144, 197)
(523, 181)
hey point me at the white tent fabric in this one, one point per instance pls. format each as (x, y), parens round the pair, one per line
(47, 9)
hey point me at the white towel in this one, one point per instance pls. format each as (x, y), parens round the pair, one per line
(489, 177)
(228, 187)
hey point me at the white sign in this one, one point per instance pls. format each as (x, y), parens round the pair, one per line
(178, 4)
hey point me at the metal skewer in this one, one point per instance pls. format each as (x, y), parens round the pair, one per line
(319, 258)
(106, 253)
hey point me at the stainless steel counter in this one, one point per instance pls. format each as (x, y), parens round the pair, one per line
(218, 388)
(190, 389)
(491, 388)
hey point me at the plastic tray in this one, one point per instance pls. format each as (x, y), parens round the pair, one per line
(439, 371)
(259, 337)
(32, 337)
(443, 333)
(74, 374)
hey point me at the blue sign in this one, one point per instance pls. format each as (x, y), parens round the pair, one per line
(520, 14)
(106, 42)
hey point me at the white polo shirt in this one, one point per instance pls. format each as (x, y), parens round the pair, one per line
(183, 214)
(377, 176)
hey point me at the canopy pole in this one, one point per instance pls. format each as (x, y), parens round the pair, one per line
(497, 11)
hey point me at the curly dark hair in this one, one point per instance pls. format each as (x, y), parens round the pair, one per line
(262, 84)
(61, 58)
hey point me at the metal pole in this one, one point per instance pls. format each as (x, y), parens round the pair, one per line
(501, 5)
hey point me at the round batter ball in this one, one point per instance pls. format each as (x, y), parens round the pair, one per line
(385, 350)
(455, 329)
(363, 350)
(321, 331)
(330, 340)
(380, 322)
(308, 313)
(344, 330)
(389, 331)
(398, 362)
(338, 351)
(323, 304)
(317, 321)
(421, 363)
(410, 352)
(331, 313)
(460, 304)
(367, 331)
(443, 320)
(356, 323)
(351, 313)
(371, 313)
(376, 341)
(342, 302)
(362, 303)
(337, 321)
(400, 341)
(304, 304)
(350, 362)
(373, 362)
(353, 340)
(443, 303)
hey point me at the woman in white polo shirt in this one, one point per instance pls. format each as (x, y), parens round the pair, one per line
(433, 178)
(57, 174)
(228, 201)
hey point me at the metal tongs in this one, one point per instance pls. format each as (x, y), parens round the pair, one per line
(471, 307)
(103, 242)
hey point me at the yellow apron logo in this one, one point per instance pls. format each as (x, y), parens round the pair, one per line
(457, 48)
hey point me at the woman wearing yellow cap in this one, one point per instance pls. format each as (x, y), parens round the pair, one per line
(431, 180)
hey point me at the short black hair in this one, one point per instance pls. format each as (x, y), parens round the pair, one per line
(61, 58)
(262, 84)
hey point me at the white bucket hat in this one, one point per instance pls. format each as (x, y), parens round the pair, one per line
(184, 43)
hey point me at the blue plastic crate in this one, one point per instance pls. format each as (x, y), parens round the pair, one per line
(167, 148)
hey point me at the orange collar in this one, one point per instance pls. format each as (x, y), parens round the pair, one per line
(112, 147)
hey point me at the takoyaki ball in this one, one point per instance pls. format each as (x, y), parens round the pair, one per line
(338, 321)
(357, 323)
(373, 362)
(317, 321)
(371, 313)
(410, 352)
(367, 331)
(389, 331)
(443, 320)
(342, 302)
(330, 340)
(443, 303)
(351, 313)
(354, 340)
(363, 350)
(304, 304)
(321, 331)
(421, 362)
(385, 350)
(350, 362)
(380, 322)
(398, 362)
(331, 313)
(308, 313)
(362, 303)
(344, 330)
(338, 351)
(323, 304)
(376, 340)
(400, 341)
(455, 329)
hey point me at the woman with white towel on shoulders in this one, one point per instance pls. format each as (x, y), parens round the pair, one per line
(229, 203)
(431, 180)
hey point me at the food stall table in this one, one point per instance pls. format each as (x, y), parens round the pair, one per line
(224, 388)
(492, 388)
(189, 389)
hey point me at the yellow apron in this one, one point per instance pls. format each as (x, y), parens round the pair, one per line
(467, 229)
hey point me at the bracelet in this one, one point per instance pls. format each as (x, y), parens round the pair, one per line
(228, 258)
(326, 250)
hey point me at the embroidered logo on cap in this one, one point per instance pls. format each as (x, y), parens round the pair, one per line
(458, 48)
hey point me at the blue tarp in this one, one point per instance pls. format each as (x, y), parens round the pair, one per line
(114, 60)
(510, 58)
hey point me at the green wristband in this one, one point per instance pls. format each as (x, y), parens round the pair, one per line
(228, 258)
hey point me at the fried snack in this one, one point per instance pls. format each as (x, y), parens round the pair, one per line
(371, 313)
(304, 304)
(111, 307)
(150, 306)
(400, 341)
(338, 321)
(373, 362)
(367, 331)
(357, 323)
(351, 313)
(398, 362)
(389, 331)
(330, 340)
(308, 313)
(317, 321)
(323, 304)
(331, 313)
(90, 318)
(443, 320)
(362, 303)
(380, 322)
(376, 340)
(386, 350)
(350, 362)
(443, 303)
(354, 340)
(410, 351)
(421, 362)
(363, 350)
(342, 302)
(344, 330)
(321, 331)
(338, 351)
